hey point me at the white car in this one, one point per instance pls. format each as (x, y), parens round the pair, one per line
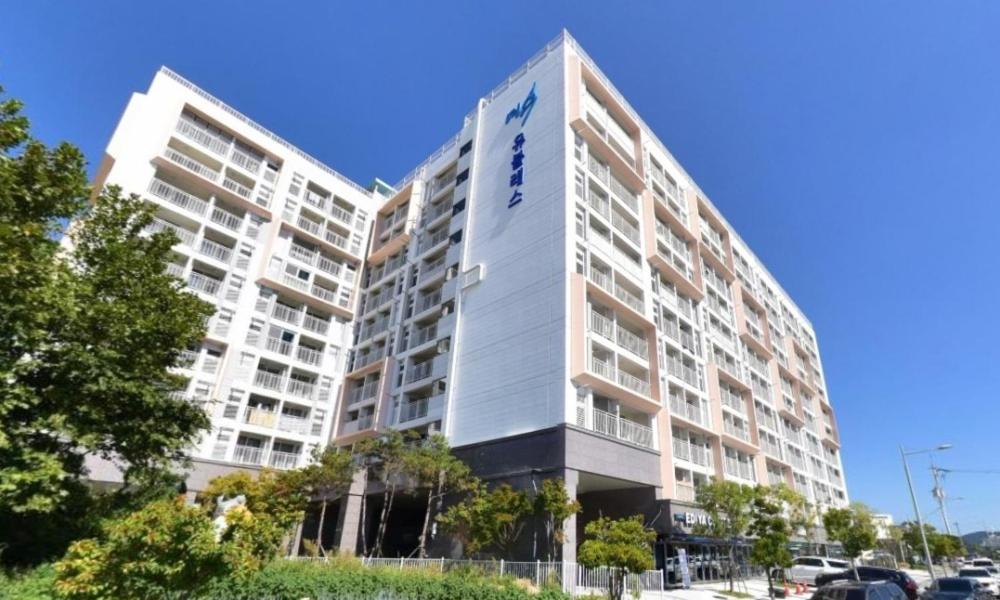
(984, 577)
(804, 569)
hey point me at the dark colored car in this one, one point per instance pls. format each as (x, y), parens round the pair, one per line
(904, 581)
(860, 590)
(956, 588)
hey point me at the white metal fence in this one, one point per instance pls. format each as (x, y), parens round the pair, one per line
(572, 578)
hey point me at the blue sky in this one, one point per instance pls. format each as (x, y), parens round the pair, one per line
(854, 145)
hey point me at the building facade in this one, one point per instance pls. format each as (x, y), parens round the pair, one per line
(550, 290)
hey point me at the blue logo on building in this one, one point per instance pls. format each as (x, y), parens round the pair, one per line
(522, 111)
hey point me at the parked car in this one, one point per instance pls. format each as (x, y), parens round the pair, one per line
(982, 576)
(860, 590)
(805, 569)
(981, 562)
(904, 581)
(956, 588)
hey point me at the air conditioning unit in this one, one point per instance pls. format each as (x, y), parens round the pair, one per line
(440, 386)
(443, 345)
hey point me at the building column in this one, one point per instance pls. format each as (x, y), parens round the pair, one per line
(349, 517)
(571, 477)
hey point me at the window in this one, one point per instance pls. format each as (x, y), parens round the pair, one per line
(466, 148)
(458, 207)
(462, 177)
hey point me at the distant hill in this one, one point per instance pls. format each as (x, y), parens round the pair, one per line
(976, 539)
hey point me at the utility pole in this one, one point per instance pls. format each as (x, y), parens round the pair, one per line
(938, 492)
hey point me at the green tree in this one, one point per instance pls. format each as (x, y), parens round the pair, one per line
(488, 521)
(554, 505)
(328, 476)
(853, 528)
(431, 465)
(167, 549)
(771, 530)
(728, 506)
(910, 533)
(622, 545)
(944, 546)
(87, 338)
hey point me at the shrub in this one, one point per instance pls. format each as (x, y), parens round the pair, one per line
(36, 584)
(295, 579)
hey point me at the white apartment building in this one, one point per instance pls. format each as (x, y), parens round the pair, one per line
(275, 240)
(550, 290)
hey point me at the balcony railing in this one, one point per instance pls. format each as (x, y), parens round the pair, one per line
(204, 283)
(248, 455)
(420, 371)
(430, 301)
(359, 424)
(737, 431)
(215, 250)
(195, 166)
(340, 214)
(308, 355)
(185, 236)
(177, 197)
(614, 426)
(602, 325)
(245, 161)
(420, 408)
(237, 188)
(696, 413)
(629, 230)
(364, 359)
(325, 294)
(300, 388)
(308, 225)
(630, 381)
(175, 269)
(259, 416)
(733, 401)
(227, 219)
(205, 138)
(600, 203)
(269, 380)
(624, 194)
(366, 392)
(315, 324)
(313, 199)
(686, 492)
(693, 453)
(286, 314)
(276, 344)
(633, 343)
(740, 469)
(630, 299)
(283, 460)
(686, 373)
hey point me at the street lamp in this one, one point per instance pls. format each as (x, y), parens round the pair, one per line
(916, 508)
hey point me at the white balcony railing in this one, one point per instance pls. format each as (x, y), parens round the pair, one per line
(315, 324)
(283, 460)
(269, 380)
(195, 166)
(614, 426)
(177, 196)
(237, 188)
(696, 413)
(248, 455)
(197, 133)
(227, 219)
(185, 236)
(215, 250)
(203, 283)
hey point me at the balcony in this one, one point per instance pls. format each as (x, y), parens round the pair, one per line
(199, 134)
(275, 344)
(732, 400)
(608, 128)
(237, 188)
(433, 240)
(269, 380)
(158, 225)
(260, 417)
(737, 468)
(616, 427)
(685, 372)
(248, 163)
(283, 460)
(695, 413)
(177, 197)
(286, 314)
(223, 217)
(315, 324)
(692, 453)
(204, 283)
(423, 336)
(308, 355)
(190, 164)
(248, 455)
(624, 194)
(630, 231)
(432, 269)
(421, 408)
(437, 211)
(364, 359)
(420, 371)
(738, 431)
(360, 424)
(633, 343)
(368, 391)
(686, 492)
(215, 250)
(313, 199)
(770, 447)
(302, 388)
